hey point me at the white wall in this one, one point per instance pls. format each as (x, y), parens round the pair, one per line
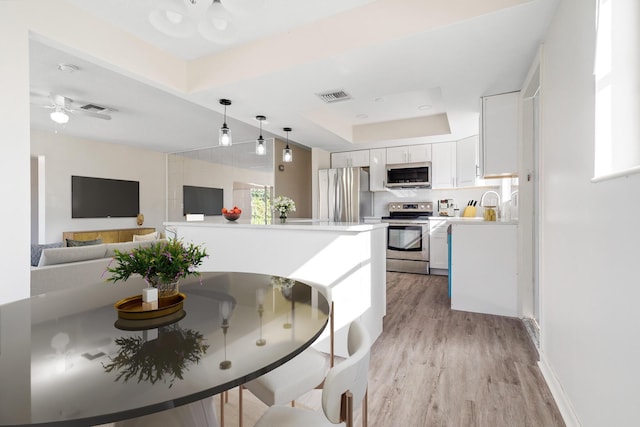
(65, 156)
(589, 263)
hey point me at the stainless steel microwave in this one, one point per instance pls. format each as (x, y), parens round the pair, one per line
(409, 175)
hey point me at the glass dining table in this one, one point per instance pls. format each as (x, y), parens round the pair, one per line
(69, 358)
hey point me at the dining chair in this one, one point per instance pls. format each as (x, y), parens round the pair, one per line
(345, 384)
(298, 376)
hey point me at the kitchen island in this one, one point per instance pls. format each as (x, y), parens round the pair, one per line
(345, 261)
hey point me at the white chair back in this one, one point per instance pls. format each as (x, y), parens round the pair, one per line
(350, 375)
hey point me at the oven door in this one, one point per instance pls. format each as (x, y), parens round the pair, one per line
(408, 241)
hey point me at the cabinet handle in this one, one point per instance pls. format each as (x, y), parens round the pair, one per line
(477, 171)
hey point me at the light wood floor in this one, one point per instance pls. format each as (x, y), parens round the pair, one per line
(433, 366)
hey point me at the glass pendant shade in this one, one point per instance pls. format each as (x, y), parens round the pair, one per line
(261, 148)
(287, 153)
(224, 136)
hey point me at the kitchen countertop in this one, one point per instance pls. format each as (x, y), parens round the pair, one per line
(476, 220)
(291, 224)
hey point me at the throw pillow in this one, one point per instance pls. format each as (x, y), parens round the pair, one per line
(73, 243)
(145, 237)
(55, 256)
(36, 251)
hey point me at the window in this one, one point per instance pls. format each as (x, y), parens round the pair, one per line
(617, 86)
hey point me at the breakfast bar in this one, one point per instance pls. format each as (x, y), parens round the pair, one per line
(345, 260)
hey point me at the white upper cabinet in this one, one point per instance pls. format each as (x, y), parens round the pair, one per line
(443, 167)
(499, 135)
(377, 169)
(409, 154)
(350, 159)
(467, 162)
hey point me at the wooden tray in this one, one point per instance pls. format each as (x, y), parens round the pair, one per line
(131, 308)
(143, 324)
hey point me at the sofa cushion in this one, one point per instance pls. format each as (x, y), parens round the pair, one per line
(74, 243)
(36, 251)
(145, 237)
(55, 256)
(125, 247)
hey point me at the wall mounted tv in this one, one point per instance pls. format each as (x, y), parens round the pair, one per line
(202, 200)
(104, 198)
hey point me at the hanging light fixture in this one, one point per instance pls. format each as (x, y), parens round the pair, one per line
(217, 25)
(261, 148)
(171, 18)
(287, 153)
(59, 116)
(224, 137)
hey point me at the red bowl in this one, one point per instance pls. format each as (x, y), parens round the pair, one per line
(231, 216)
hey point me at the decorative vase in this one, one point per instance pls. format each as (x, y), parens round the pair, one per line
(166, 288)
(283, 217)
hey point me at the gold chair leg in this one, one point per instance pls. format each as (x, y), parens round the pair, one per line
(222, 409)
(226, 396)
(365, 409)
(240, 420)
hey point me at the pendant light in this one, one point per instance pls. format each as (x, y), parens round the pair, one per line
(224, 137)
(287, 153)
(261, 148)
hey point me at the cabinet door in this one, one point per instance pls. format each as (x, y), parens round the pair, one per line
(396, 155)
(377, 169)
(419, 153)
(340, 160)
(467, 162)
(359, 158)
(443, 165)
(499, 134)
(438, 248)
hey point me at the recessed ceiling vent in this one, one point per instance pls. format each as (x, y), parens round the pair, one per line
(334, 96)
(93, 107)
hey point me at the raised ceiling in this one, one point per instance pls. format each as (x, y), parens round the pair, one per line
(414, 71)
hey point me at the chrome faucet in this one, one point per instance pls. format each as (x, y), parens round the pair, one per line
(488, 192)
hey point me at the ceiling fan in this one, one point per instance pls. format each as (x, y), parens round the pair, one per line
(63, 107)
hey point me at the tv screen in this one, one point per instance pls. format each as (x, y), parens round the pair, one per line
(202, 200)
(104, 198)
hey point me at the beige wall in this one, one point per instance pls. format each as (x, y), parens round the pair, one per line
(295, 180)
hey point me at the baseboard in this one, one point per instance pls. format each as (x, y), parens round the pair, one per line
(564, 404)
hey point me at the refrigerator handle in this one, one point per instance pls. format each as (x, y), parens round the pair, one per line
(337, 203)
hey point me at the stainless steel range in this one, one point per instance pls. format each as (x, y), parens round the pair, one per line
(408, 236)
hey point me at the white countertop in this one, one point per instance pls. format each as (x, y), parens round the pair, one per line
(291, 224)
(476, 220)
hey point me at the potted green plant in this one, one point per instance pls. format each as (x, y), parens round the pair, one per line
(161, 264)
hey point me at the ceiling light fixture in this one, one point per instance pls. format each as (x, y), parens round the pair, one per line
(171, 18)
(217, 25)
(224, 137)
(261, 148)
(287, 153)
(59, 116)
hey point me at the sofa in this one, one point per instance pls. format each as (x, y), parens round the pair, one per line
(61, 268)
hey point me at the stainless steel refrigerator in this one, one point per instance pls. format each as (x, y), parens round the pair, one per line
(343, 194)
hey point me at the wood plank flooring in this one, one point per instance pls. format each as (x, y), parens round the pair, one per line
(436, 367)
(433, 366)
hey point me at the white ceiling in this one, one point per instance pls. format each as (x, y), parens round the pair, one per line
(397, 59)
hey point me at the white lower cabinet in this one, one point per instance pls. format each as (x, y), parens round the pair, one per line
(484, 268)
(438, 248)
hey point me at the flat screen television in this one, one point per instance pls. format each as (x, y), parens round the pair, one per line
(104, 198)
(202, 200)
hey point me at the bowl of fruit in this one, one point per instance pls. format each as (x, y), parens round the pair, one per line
(231, 214)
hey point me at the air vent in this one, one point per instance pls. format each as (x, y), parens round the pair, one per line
(93, 107)
(334, 96)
